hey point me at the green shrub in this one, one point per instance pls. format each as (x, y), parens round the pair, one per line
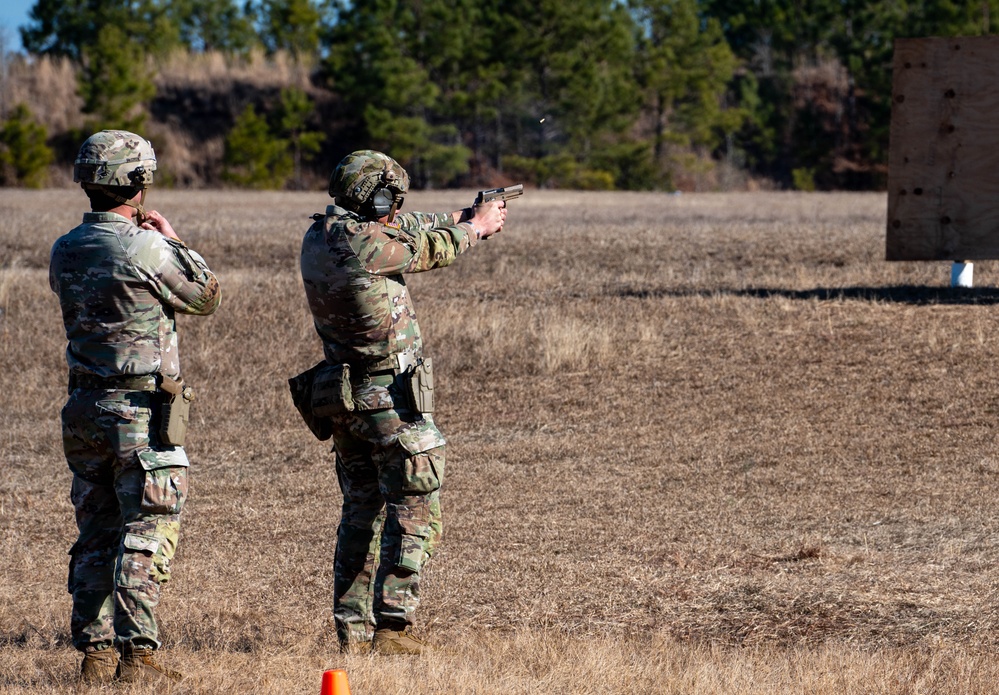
(592, 180)
(803, 179)
(559, 171)
(24, 156)
(254, 157)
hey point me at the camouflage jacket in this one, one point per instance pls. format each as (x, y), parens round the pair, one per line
(119, 286)
(353, 269)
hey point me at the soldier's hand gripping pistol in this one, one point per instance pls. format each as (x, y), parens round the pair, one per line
(504, 194)
(490, 218)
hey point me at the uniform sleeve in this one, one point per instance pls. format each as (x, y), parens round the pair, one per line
(179, 276)
(53, 281)
(423, 221)
(386, 249)
(55, 262)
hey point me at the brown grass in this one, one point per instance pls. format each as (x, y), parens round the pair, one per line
(222, 72)
(700, 443)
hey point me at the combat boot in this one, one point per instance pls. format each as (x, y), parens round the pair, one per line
(397, 642)
(99, 668)
(137, 665)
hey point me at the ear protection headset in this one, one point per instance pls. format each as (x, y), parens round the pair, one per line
(387, 198)
(385, 201)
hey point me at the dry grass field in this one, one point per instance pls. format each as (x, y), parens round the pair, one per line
(697, 444)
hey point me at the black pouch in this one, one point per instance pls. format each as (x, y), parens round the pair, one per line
(331, 391)
(420, 386)
(176, 411)
(301, 395)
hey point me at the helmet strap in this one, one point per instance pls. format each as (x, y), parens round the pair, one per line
(138, 207)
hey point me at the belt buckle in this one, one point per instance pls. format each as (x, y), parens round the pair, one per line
(406, 360)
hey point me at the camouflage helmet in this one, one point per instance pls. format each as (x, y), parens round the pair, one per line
(369, 181)
(115, 158)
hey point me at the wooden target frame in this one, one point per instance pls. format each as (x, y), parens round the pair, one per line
(943, 168)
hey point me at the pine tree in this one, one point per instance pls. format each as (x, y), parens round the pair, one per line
(292, 126)
(113, 81)
(373, 63)
(289, 25)
(684, 68)
(572, 97)
(213, 25)
(67, 27)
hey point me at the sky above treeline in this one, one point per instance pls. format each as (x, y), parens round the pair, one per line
(13, 14)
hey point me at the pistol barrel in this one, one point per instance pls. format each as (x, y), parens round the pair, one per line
(507, 193)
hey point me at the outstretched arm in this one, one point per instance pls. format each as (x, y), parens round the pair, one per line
(388, 250)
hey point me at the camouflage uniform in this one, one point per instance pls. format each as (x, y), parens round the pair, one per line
(119, 287)
(389, 459)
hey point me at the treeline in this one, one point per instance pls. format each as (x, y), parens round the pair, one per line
(592, 94)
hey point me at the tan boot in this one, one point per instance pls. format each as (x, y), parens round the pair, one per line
(397, 642)
(98, 668)
(138, 665)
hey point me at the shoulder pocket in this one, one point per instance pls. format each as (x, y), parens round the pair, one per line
(183, 255)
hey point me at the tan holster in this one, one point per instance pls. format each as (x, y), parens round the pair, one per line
(419, 383)
(175, 412)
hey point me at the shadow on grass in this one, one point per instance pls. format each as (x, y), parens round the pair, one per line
(899, 294)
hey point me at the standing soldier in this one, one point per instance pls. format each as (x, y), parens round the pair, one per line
(377, 386)
(119, 286)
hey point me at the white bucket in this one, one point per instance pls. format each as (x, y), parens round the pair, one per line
(962, 274)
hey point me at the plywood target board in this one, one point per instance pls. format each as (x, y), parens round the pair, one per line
(943, 163)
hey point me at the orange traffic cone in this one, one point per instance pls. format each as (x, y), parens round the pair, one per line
(335, 683)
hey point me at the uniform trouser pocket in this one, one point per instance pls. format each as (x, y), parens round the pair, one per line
(153, 513)
(414, 531)
(164, 490)
(153, 498)
(385, 458)
(413, 502)
(422, 472)
(137, 590)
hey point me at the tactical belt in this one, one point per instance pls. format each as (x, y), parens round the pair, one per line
(392, 365)
(113, 383)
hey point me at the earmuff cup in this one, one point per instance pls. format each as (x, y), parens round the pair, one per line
(381, 201)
